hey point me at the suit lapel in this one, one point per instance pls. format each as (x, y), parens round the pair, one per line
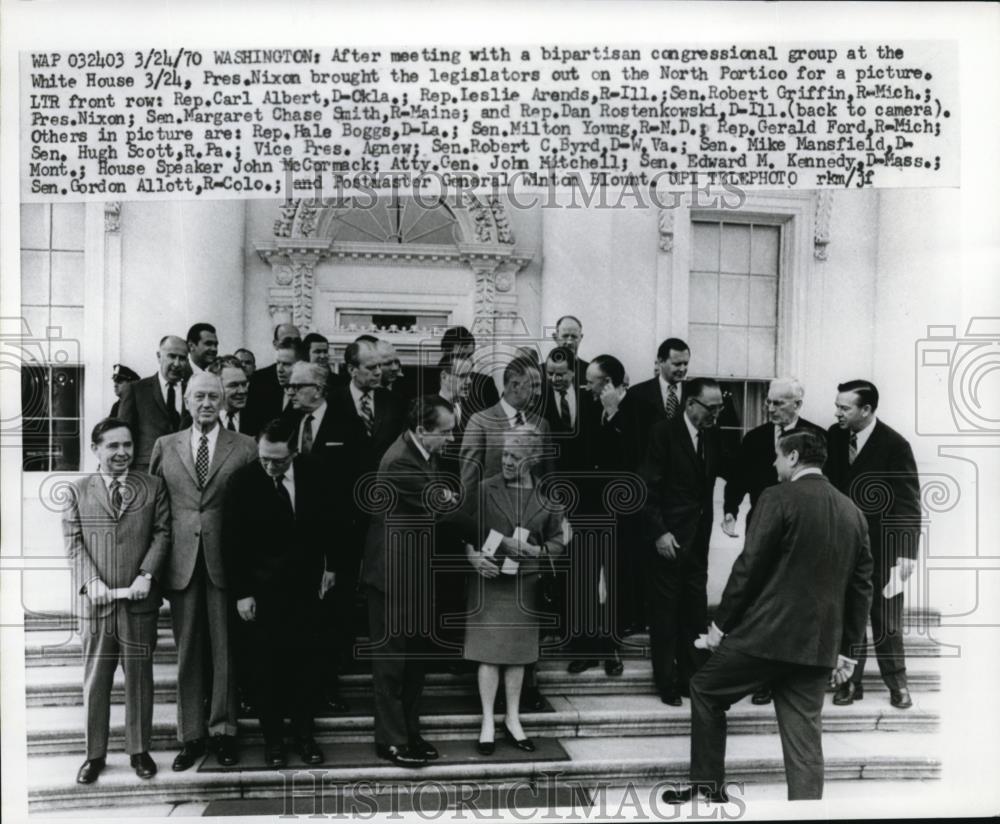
(158, 397)
(868, 454)
(100, 493)
(183, 444)
(223, 446)
(687, 446)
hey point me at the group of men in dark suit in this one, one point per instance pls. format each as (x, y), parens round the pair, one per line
(248, 534)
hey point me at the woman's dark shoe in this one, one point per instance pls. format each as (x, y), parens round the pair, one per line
(614, 666)
(485, 747)
(524, 744)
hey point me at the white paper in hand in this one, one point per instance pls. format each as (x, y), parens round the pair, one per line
(701, 642)
(894, 586)
(491, 543)
(119, 593)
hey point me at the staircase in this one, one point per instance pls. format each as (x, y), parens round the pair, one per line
(601, 733)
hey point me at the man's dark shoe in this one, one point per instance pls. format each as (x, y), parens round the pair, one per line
(710, 794)
(614, 666)
(672, 699)
(334, 703)
(761, 697)
(190, 752)
(900, 699)
(576, 667)
(421, 746)
(89, 770)
(848, 693)
(400, 756)
(274, 754)
(532, 701)
(309, 750)
(225, 750)
(143, 765)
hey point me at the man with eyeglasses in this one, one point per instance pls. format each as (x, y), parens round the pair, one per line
(278, 522)
(682, 462)
(753, 470)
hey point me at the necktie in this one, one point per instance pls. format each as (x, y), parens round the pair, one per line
(519, 419)
(307, 435)
(175, 418)
(564, 408)
(201, 462)
(852, 448)
(116, 497)
(670, 407)
(367, 414)
(282, 490)
(779, 430)
(230, 421)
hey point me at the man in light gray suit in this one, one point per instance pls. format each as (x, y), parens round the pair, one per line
(482, 445)
(196, 464)
(117, 528)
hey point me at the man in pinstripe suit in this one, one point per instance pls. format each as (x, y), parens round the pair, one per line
(117, 528)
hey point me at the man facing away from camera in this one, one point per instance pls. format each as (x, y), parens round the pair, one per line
(796, 602)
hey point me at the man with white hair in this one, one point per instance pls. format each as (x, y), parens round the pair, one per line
(196, 464)
(754, 470)
(392, 369)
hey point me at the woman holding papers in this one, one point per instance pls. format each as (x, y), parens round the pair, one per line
(519, 530)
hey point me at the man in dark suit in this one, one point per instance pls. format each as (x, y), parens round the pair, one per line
(196, 464)
(663, 397)
(562, 404)
(461, 343)
(120, 375)
(568, 334)
(364, 420)
(277, 529)
(266, 391)
(866, 455)
(117, 529)
(268, 398)
(396, 575)
(681, 464)
(795, 603)
(610, 433)
(154, 406)
(754, 470)
(234, 385)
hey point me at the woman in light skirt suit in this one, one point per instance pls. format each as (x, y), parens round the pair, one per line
(502, 625)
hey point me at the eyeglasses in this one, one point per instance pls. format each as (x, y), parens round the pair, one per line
(295, 387)
(715, 408)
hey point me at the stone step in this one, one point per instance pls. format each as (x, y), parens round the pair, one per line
(63, 685)
(60, 729)
(56, 647)
(594, 763)
(913, 617)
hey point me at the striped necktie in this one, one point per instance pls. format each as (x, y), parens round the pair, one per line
(670, 407)
(367, 414)
(852, 448)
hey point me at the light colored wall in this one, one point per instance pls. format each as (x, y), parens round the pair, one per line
(182, 263)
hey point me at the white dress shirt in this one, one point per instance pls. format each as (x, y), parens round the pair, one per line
(224, 417)
(665, 389)
(865, 434)
(692, 431)
(178, 393)
(420, 447)
(213, 439)
(570, 399)
(356, 395)
(511, 413)
(317, 419)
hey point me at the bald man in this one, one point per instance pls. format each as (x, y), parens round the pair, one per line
(154, 406)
